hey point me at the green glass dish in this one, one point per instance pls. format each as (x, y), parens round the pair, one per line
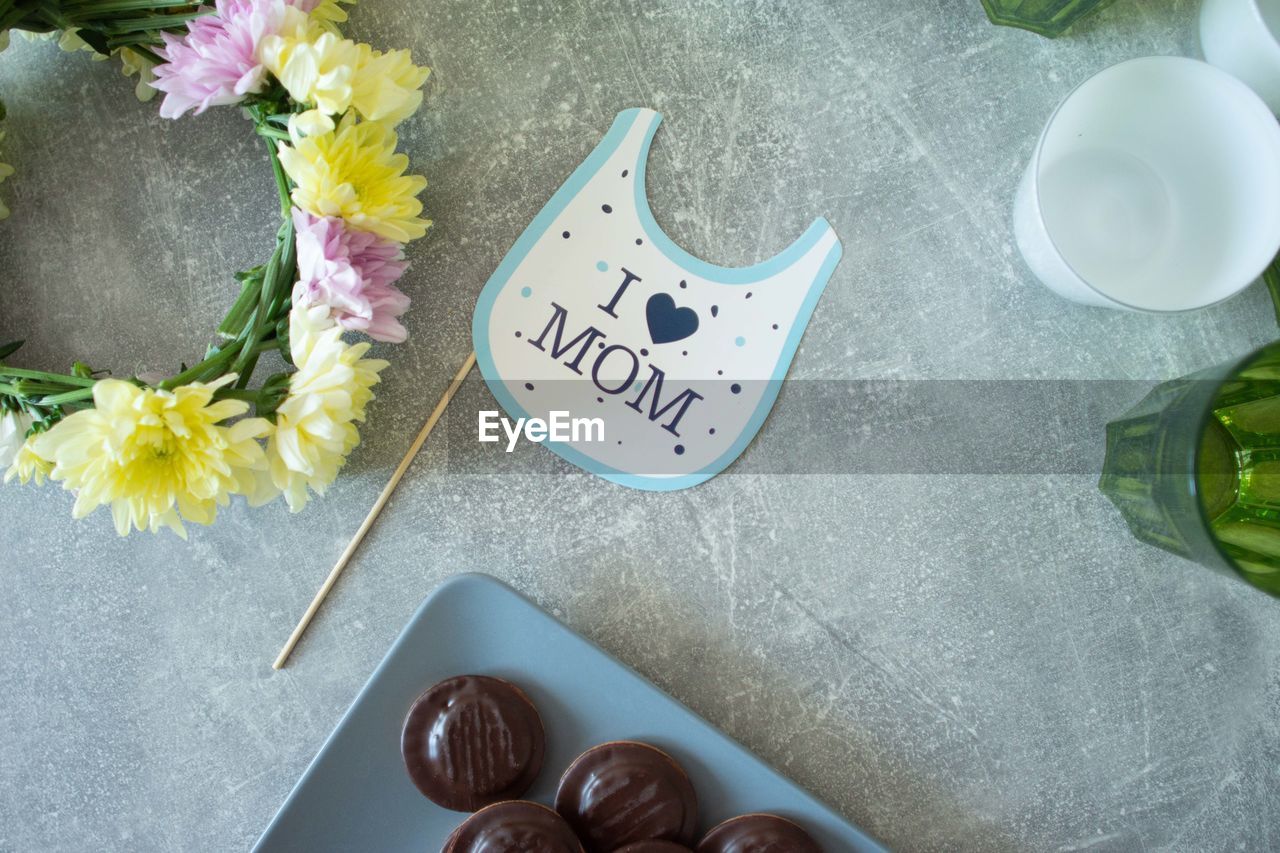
(1194, 468)
(1049, 18)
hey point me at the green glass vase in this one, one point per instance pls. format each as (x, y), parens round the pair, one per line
(1194, 468)
(1049, 18)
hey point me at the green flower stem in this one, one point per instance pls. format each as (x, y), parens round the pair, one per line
(138, 42)
(109, 8)
(147, 52)
(279, 274)
(281, 288)
(242, 310)
(272, 133)
(68, 397)
(257, 334)
(282, 295)
(10, 18)
(282, 180)
(246, 372)
(151, 22)
(269, 277)
(237, 394)
(254, 324)
(214, 365)
(34, 388)
(59, 378)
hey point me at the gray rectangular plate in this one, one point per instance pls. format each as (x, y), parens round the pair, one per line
(356, 796)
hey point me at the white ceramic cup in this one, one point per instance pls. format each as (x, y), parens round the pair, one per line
(1154, 187)
(1240, 36)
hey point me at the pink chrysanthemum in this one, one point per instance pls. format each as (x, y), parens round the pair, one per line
(216, 62)
(353, 272)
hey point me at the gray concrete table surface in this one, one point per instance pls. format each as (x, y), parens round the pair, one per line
(956, 661)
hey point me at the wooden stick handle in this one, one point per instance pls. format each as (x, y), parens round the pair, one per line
(373, 513)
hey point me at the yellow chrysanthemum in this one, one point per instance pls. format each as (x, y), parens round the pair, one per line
(28, 466)
(67, 39)
(131, 63)
(71, 42)
(355, 173)
(329, 13)
(315, 66)
(5, 171)
(387, 86)
(333, 74)
(156, 457)
(316, 424)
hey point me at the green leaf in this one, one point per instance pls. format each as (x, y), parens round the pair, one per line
(151, 23)
(282, 339)
(254, 274)
(243, 308)
(272, 394)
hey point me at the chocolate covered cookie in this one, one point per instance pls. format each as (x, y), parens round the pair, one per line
(622, 792)
(757, 833)
(471, 741)
(513, 825)
(654, 847)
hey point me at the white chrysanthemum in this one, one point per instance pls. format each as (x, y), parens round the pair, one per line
(316, 423)
(13, 434)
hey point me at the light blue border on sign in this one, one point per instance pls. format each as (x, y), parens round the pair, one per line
(721, 275)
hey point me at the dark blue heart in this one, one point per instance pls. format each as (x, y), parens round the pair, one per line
(668, 323)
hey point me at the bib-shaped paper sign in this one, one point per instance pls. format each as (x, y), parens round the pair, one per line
(596, 314)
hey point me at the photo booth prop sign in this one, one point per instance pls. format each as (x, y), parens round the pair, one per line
(596, 313)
